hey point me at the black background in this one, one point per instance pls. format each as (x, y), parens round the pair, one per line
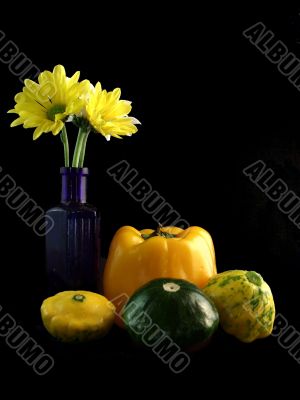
(210, 104)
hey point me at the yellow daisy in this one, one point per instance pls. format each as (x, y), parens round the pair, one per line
(108, 115)
(47, 104)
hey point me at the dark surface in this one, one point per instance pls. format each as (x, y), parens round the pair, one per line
(210, 104)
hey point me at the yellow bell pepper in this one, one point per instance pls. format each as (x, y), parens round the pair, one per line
(77, 315)
(136, 257)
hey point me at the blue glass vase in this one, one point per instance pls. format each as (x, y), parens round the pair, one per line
(73, 244)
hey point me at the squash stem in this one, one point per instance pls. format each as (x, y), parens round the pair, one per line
(79, 297)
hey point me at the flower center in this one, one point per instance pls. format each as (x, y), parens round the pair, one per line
(57, 109)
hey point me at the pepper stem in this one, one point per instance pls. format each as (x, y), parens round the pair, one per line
(158, 232)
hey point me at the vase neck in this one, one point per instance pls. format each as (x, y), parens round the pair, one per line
(74, 182)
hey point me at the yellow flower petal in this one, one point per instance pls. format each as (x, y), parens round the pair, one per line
(59, 73)
(32, 122)
(16, 122)
(120, 109)
(57, 128)
(98, 87)
(74, 78)
(114, 96)
(37, 133)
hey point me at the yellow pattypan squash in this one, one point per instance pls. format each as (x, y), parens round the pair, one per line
(244, 302)
(77, 315)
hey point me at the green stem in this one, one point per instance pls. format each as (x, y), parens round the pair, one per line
(78, 147)
(64, 139)
(158, 232)
(83, 148)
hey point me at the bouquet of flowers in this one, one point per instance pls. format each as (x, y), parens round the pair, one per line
(57, 99)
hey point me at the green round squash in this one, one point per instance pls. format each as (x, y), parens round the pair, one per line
(172, 307)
